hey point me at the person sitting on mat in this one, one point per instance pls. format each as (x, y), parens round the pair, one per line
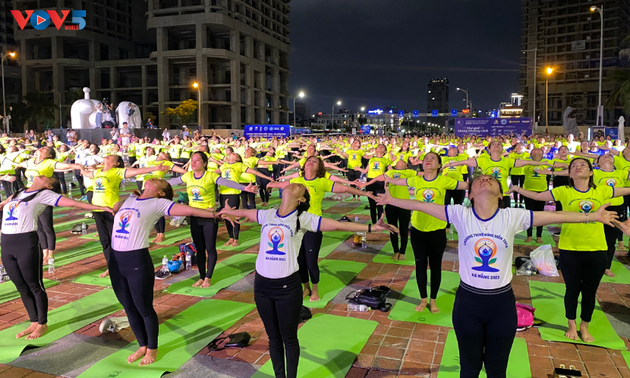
(277, 284)
(21, 251)
(130, 267)
(486, 240)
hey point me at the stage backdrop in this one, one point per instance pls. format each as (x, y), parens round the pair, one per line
(492, 126)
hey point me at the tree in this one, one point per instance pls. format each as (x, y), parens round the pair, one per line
(621, 95)
(40, 107)
(183, 112)
(19, 116)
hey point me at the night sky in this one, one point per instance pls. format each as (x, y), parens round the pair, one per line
(377, 53)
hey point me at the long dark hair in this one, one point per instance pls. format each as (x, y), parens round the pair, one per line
(591, 183)
(302, 207)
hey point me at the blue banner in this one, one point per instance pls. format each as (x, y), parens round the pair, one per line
(365, 129)
(267, 131)
(492, 126)
(300, 130)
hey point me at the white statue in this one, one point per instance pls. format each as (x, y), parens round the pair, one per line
(621, 136)
(88, 114)
(134, 120)
(81, 111)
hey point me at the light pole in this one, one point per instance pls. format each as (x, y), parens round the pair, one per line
(332, 116)
(4, 100)
(60, 117)
(467, 101)
(600, 110)
(301, 95)
(549, 71)
(535, 50)
(198, 88)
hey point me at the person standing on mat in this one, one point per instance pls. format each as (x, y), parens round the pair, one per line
(314, 178)
(277, 290)
(583, 248)
(106, 185)
(200, 185)
(131, 269)
(428, 234)
(21, 251)
(377, 165)
(486, 241)
(536, 181)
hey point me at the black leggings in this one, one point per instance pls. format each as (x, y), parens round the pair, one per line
(376, 211)
(353, 175)
(613, 234)
(204, 235)
(139, 185)
(8, 188)
(279, 302)
(582, 271)
(77, 175)
(249, 199)
(399, 218)
(507, 202)
(518, 180)
(428, 247)
(457, 196)
(104, 226)
(89, 194)
(235, 202)
(484, 337)
(309, 254)
(132, 276)
(19, 174)
(45, 229)
(534, 205)
(262, 184)
(22, 259)
(61, 176)
(559, 181)
(160, 226)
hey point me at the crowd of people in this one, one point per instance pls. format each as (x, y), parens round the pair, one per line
(416, 188)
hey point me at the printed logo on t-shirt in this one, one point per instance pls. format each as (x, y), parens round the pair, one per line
(99, 184)
(485, 249)
(354, 156)
(196, 194)
(276, 239)
(611, 182)
(11, 211)
(227, 174)
(496, 173)
(586, 206)
(428, 195)
(376, 165)
(125, 220)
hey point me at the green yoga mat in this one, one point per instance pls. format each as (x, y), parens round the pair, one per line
(360, 210)
(404, 308)
(225, 274)
(246, 239)
(385, 255)
(622, 274)
(8, 292)
(62, 321)
(329, 345)
(546, 237)
(518, 364)
(57, 216)
(175, 235)
(88, 249)
(181, 338)
(547, 298)
(93, 278)
(332, 240)
(335, 275)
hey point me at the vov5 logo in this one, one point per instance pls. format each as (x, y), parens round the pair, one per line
(41, 19)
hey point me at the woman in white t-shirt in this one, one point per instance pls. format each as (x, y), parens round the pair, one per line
(130, 267)
(21, 251)
(277, 284)
(486, 239)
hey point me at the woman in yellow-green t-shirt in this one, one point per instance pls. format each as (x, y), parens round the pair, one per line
(377, 165)
(354, 162)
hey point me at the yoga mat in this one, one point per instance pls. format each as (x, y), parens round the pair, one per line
(8, 292)
(329, 345)
(92, 236)
(622, 274)
(57, 216)
(246, 239)
(360, 210)
(88, 249)
(175, 235)
(404, 308)
(385, 255)
(93, 278)
(546, 237)
(547, 298)
(181, 338)
(225, 274)
(62, 321)
(518, 363)
(332, 240)
(335, 275)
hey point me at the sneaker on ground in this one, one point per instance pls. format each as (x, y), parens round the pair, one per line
(162, 274)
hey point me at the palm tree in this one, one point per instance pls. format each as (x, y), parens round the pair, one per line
(40, 107)
(621, 94)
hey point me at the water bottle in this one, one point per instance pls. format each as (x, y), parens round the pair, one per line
(83, 229)
(51, 265)
(450, 233)
(358, 307)
(188, 260)
(164, 264)
(356, 219)
(363, 240)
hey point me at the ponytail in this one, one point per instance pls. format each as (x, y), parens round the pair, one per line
(302, 207)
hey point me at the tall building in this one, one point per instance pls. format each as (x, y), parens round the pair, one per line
(12, 72)
(302, 112)
(237, 50)
(566, 37)
(437, 99)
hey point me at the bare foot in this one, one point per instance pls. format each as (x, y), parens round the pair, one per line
(528, 240)
(228, 243)
(265, 204)
(27, 331)
(149, 357)
(609, 273)
(422, 305)
(39, 331)
(159, 238)
(315, 294)
(137, 355)
(104, 274)
(433, 307)
(572, 332)
(586, 335)
(620, 246)
(401, 257)
(198, 283)
(396, 256)
(539, 240)
(235, 243)
(206, 283)
(306, 292)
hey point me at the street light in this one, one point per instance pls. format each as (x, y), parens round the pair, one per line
(535, 50)
(198, 88)
(467, 101)
(548, 71)
(12, 54)
(332, 116)
(301, 95)
(600, 110)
